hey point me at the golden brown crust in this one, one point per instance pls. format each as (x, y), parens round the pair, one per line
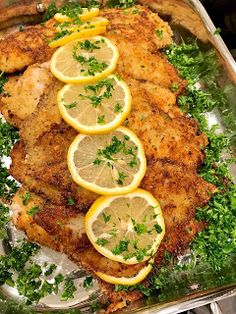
(21, 49)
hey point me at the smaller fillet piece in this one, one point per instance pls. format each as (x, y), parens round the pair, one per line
(21, 49)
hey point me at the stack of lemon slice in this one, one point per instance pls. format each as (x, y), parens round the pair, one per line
(126, 224)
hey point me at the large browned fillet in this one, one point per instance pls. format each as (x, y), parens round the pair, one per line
(173, 144)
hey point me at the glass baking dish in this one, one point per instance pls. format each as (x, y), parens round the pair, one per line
(187, 289)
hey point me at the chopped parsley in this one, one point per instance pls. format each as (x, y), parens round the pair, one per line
(71, 9)
(61, 34)
(88, 282)
(158, 228)
(106, 218)
(118, 108)
(174, 87)
(50, 12)
(8, 185)
(101, 119)
(8, 135)
(123, 4)
(121, 178)
(218, 240)
(139, 228)
(159, 33)
(92, 64)
(4, 219)
(25, 198)
(69, 290)
(71, 201)
(88, 45)
(71, 105)
(121, 247)
(102, 242)
(21, 28)
(33, 211)
(217, 31)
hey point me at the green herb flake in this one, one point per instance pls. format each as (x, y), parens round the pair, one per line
(118, 108)
(3, 80)
(102, 242)
(174, 87)
(71, 201)
(158, 228)
(4, 219)
(69, 290)
(106, 218)
(25, 198)
(121, 178)
(88, 45)
(33, 211)
(71, 105)
(92, 64)
(159, 33)
(121, 247)
(217, 31)
(101, 119)
(50, 270)
(139, 228)
(88, 282)
(123, 4)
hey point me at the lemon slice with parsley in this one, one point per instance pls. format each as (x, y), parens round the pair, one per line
(107, 164)
(97, 108)
(134, 279)
(65, 36)
(85, 60)
(79, 25)
(126, 228)
(83, 14)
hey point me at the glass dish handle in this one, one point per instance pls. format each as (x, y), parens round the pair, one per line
(215, 308)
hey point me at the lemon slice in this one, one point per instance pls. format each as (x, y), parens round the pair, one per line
(85, 60)
(108, 164)
(127, 281)
(126, 228)
(95, 22)
(97, 108)
(84, 16)
(70, 36)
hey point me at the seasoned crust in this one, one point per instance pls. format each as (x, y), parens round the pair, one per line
(21, 49)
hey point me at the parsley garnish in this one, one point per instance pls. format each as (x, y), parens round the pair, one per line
(25, 198)
(33, 211)
(69, 289)
(106, 218)
(217, 31)
(124, 4)
(71, 105)
(118, 108)
(101, 119)
(88, 45)
(139, 228)
(121, 178)
(102, 242)
(159, 33)
(92, 64)
(4, 219)
(71, 201)
(3, 80)
(121, 247)
(88, 282)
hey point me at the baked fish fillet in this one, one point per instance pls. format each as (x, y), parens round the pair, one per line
(173, 144)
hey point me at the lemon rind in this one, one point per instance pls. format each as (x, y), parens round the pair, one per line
(125, 281)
